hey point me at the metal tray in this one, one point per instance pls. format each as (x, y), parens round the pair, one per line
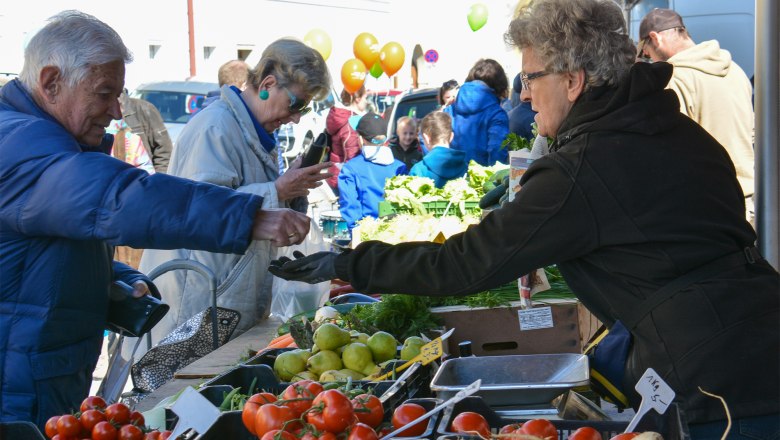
(513, 380)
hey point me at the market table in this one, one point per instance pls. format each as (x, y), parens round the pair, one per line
(216, 362)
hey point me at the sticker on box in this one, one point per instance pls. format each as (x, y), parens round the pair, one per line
(536, 318)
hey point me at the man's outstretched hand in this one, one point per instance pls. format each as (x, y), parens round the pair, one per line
(312, 269)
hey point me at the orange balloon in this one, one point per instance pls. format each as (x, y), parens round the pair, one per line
(391, 58)
(366, 48)
(353, 74)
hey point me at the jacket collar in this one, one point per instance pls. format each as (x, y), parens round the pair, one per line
(640, 103)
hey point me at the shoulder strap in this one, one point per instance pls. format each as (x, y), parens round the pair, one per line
(748, 255)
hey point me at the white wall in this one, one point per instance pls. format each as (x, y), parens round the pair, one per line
(231, 24)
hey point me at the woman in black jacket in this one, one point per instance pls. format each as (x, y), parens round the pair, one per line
(634, 197)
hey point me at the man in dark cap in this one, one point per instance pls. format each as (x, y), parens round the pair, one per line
(713, 90)
(362, 179)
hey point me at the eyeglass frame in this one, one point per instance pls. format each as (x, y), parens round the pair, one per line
(303, 110)
(526, 78)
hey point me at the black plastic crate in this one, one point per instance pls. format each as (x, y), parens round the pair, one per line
(671, 425)
(228, 426)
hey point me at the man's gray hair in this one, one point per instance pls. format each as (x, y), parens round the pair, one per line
(568, 35)
(74, 42)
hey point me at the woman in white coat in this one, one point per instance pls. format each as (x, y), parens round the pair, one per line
(230, 143)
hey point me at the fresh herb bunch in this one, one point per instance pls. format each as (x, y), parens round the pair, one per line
(515, 142)
(400, 315)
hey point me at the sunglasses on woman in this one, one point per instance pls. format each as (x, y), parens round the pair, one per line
(297, 105)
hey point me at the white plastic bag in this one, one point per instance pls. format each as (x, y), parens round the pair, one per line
(293, 297)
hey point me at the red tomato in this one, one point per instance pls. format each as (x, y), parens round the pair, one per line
(585, 433)
(300, 395)
(368, 409)
(165, 434)
(104, 431)
(324, 435)
(251, 406)
(510, 428)
(277, 434)
(93, 402)
(51, 426)
(271, 416)
(472, 423)
(541, 428)
(90, 418)
(130, 432)
(625, 436)
(153, 435)
(331, 411)
(405, 413)
(118, 413)
(361, 431)
(68, 426)
(137, 419)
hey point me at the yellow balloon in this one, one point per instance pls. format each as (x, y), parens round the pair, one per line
(319, 40)
(391, 58)
(366, 48)
(353, 75)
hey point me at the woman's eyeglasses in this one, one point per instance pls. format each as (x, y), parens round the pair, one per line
(526, 78)
(297, 105)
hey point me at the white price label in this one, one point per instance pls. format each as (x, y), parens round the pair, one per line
(536, 318)
(656, 394)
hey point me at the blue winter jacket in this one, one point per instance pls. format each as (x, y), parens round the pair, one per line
(362, 183)
(479, 123)
(442, 164)
(62, 208)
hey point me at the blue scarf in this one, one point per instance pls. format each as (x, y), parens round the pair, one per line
(266, 140)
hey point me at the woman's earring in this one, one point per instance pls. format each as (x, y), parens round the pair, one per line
(264, 94)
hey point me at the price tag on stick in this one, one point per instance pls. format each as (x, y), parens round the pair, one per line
(656, 394)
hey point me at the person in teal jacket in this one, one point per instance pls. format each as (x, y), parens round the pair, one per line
(362, 179)
(442, 163)
(479, 122)
(65, 203)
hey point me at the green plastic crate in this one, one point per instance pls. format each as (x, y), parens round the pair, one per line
(437, 208)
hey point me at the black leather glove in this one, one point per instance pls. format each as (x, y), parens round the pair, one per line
(312, 269)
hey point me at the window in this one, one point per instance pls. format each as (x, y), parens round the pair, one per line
(153, 49)
(207, 51)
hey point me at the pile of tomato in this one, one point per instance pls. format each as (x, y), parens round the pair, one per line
(474, 423)
(307, 411)
(96, 420)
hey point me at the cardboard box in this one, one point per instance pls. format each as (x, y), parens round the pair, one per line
(553, 327)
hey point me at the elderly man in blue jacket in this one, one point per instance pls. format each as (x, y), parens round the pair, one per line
(64, 203)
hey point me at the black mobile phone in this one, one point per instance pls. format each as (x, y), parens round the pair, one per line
(317, 151)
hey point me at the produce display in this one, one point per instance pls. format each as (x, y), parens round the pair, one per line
(96, 420)
(339, 354)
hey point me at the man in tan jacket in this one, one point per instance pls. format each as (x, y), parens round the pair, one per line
(713, 90)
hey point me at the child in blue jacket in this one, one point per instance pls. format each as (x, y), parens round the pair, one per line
(442, 163)
(362, 179)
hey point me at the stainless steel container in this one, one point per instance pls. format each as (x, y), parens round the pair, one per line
(513, 380)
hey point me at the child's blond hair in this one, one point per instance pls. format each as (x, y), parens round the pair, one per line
(437, 126)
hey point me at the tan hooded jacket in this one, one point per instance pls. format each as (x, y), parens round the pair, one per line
(715, 92)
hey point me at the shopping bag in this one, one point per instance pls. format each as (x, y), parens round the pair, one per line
(293, 297)
(607, 353)
(187, 343)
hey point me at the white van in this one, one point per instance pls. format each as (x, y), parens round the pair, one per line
(731, 22)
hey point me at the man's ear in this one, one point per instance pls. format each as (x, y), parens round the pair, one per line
(50, 83)
(575, 84)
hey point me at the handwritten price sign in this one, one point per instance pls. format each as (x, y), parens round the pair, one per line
(656, 394)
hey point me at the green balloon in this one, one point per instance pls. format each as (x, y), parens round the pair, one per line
(376, 70)
(478, 16)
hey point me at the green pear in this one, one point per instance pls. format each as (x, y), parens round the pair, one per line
(315, 349)
(323, 361)
(411, 347)
(332, 376)
(305, 375)
(305, 354)
(288, 364)
(383, 346)
(357, 356)
(372, 370)
(329, 336)
(358, 336)
(355, 375)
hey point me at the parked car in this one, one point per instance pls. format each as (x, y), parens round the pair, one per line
(381, 100)
(177, 101)
(413, 103)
